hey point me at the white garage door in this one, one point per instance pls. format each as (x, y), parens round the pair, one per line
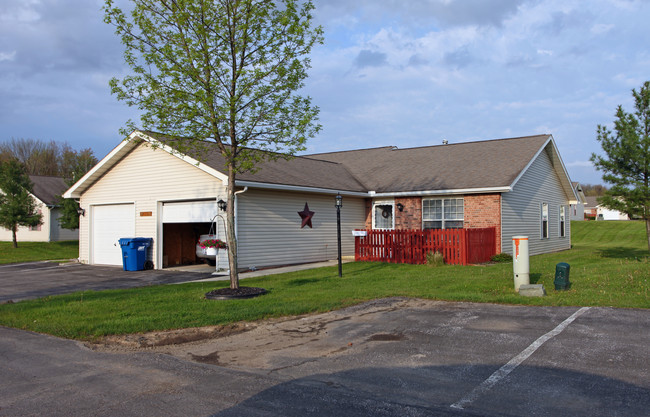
(109, 224)
(189, 212)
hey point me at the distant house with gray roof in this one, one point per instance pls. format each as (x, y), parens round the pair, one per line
(46, 191)
(518, 186)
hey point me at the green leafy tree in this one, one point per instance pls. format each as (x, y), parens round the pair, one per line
(17, 206)
(220, 72)
(626, 163)
(73, 166)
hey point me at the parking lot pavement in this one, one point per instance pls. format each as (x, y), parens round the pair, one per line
(41, 279)
(386, 357)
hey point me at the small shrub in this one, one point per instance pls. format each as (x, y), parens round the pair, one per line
(435, 259)
(501, 257)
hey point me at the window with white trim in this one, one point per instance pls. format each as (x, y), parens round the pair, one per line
(382, 216)
(544, 221)
(442, 213)
(562, 222)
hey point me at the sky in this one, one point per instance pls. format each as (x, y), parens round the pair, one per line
(402, 73)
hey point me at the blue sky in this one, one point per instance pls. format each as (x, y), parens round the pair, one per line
(391, 72)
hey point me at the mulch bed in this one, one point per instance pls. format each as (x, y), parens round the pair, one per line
(233, 294)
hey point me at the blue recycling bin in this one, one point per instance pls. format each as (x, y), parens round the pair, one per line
(134, 252)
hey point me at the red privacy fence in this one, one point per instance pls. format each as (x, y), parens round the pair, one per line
(458, 246)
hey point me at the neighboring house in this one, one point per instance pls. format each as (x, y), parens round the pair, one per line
(594, 210)
(519, 186)
(577, 210)
(46, 192)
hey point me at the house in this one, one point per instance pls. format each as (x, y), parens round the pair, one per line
(594, 210)
(46, 192)
(577, 210)
(519, 186)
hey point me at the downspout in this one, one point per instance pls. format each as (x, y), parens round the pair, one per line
(236, 216)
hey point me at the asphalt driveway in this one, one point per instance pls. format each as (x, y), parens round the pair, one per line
(41, 279)
(382, 358)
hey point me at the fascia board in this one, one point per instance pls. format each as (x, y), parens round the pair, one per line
(486, 190)
(284, 187)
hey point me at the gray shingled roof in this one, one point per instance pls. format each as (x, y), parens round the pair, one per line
(469, 165)
(48, 189)
(297, 171)
(485, 164)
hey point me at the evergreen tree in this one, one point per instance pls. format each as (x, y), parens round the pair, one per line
(17, 206)
(626, 163)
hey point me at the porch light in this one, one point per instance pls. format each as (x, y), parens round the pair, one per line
(339, 201)
(400, 206)
(222, 205)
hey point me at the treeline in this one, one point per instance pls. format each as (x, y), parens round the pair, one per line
(593, 190)
(48, 158)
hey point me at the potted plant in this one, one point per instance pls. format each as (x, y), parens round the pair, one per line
(209, 246)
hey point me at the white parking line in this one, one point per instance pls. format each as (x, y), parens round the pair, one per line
(515, 362)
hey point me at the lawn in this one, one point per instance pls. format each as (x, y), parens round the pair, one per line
(609, 267)
(38, 251)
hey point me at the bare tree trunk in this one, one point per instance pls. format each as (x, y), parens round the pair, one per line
(13, 233)
(230, 230)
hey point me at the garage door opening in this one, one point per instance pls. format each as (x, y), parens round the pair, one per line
(179, 243)
(182, 224)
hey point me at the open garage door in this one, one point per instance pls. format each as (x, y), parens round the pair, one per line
(183, 223)
(109, 224)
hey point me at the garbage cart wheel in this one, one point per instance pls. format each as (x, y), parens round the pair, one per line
(148, 265)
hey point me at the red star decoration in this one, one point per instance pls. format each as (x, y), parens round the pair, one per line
(306, 216)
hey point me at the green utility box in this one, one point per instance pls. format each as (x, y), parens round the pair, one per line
(562, 276)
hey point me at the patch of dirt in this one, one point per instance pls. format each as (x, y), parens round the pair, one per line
(149, 340)
(273, 344)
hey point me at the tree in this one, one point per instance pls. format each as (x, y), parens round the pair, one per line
(626, 164)
(17, 206)
(225, 72)
(593, 190)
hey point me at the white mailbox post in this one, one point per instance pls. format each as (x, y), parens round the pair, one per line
(520, 261)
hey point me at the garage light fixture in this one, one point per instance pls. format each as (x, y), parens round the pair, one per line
(81, 212)
(222, 205)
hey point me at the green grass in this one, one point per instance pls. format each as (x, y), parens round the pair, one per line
(38, 251)
(609, 267)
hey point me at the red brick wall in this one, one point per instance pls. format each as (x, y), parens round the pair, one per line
(369, 213)
(410, 218)
(483, 210)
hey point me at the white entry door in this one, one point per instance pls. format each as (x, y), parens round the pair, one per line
(109, 224)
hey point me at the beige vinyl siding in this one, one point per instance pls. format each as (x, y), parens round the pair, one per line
(521, 209)
(146, 177)
(269, 230)
(24, 234)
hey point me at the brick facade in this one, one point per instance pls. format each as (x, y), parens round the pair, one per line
(483, 210)
(480, 210)
(410, 218)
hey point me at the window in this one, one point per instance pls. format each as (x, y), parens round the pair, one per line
(562, 222)
(444, 213)
(544, 221)
(383, 216)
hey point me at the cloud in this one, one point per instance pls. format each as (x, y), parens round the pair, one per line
(7, 56)
(367, 58)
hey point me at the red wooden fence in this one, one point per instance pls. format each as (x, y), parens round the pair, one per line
(458, 246)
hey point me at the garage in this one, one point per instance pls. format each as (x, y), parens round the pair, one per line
(182, 224)
(109, 223)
